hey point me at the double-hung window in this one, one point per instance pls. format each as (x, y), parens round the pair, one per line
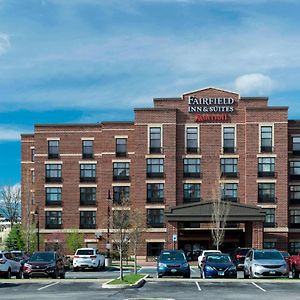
(53, 196)
(192, 140)
(155, 167)
(53, 220)
(155, 218)
(269, 217)
(191, 167)
(266, 192)
(295, 169)
(191, 192)
(121, 147)
(266, 167)
(229, 192)
(121, 170)
(295, 218)
(87, 148)
(294, 194)
(120, 194)
(87, 196)
(87, 219)
(228, 139)
(296, 145)
(266, 139)
(229, 167)
(53, 149)
(155, 140)
(53, 172)
(155, 192)
(87, 172)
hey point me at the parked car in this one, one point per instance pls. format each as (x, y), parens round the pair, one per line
(286, 256)
(294, 265)
(88, 258)
(9, 266)
(202, 255)
(238, 257)
(44, 264)
(218, 265)
(173, 263)
(265, 263)
(20, 256)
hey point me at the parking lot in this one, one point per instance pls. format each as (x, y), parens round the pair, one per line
(153, 288)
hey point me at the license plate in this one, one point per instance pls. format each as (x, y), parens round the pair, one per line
(173, 270)
(272, 272)
(220, 273)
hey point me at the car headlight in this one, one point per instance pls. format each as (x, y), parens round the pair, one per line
(161, 265)
(185, 265)
(209, 268)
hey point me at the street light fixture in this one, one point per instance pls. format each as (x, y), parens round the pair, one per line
(36, 214)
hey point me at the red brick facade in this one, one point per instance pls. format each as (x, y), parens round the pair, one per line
(173, 117)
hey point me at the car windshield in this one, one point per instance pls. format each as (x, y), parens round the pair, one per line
(285, 254)
(169, 256)
(85, 252)
(42, 257)
(218, 259)
(267, 255)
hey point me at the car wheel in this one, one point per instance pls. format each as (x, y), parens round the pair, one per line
(187, 276)
(295, 274)
(8, 274)
(159, 276)
(54, 276)
(25, 276)
(62, 276)
(20, 274)
(75, 269)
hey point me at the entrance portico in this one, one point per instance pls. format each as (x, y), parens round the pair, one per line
(244, 227)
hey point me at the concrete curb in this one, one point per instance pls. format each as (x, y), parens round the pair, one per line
(139, 283)
(225, 280)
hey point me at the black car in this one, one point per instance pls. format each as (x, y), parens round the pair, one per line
(44, 264)
(238, 257)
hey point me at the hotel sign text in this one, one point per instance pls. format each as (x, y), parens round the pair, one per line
(210, 105)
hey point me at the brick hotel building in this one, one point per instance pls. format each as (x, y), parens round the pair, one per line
(169, 162)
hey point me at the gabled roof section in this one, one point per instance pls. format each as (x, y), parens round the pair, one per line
(210, 88)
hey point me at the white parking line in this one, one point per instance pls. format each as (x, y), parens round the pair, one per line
(198, 286)
(46, 286)
(258, 287)
(140, 269)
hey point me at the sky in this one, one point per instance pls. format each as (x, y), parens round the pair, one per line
(86, 61)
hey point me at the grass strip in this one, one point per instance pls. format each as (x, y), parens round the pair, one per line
(128, 279)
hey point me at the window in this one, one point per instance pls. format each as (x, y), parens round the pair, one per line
(266, 192)
(155, 140)
(53, 173)
(87, 196)
(269, 217)
(87, 149)
(191, 192)
(32, 176)
(294, 247)
(192, 140)
(53, 149)
(155, 218)
(191, 167)
(87, 220)
(266, 139)
(32, 154)
(155, 192)
(228, 139)
(269, 245)
(53, 220)
(266, 167)
(120, 219)
(121, 170)
(295, 169)
(295, 218)
(53, 196)
(229, 167)
(87, 172)
(229, 192)
(120, 194)
(154, 249)
(155, 167)
(296, 144)
(121, 147)
(295, 194)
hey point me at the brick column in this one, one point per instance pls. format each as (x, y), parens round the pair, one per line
(257, 234)
(171, 229)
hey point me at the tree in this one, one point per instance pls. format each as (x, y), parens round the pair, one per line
(15, 239)
(11, 203)
(121, 226)
(137, 223)
(74, 240)
(220, 211)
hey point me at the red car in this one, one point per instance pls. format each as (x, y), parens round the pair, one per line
(294, 264)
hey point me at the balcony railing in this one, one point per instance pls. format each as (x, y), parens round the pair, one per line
(294, 201)
(294, 225)
(53, 226)
(53, 203)
(230, 199)
(266, 199)
(155, 225)
(88, 179)
(87, 202)
(121, 153)
(229, 149)
(296, 152)
(155, 200)
(230, 174)
(53, 155)
(190, 200)
(155, 174)
(266, 149)
(87, 226)
(270, 174)
(192, 174)
(192, 150)
(87, 155)
(53, 179)
(155, 150)
(121, 177)
(295, 176)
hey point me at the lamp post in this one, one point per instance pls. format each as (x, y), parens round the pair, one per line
(108, 245)
(36, 214)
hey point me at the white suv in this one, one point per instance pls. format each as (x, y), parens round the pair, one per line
(203, 253)
(9, 266)
(88, 258)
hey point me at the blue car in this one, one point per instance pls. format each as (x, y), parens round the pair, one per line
(218, 265)
(173, 263)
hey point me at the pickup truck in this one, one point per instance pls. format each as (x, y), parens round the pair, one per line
(294, 264)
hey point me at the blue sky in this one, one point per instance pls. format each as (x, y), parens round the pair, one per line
(95, 60)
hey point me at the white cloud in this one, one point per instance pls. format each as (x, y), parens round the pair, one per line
(254, 84)
(11, 133)
(4, 43)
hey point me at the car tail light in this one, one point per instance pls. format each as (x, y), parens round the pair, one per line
(76, 256)
(2, 261)
(238, 256)
(93, 256)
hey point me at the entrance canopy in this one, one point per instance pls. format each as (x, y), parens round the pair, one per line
(202, 211)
